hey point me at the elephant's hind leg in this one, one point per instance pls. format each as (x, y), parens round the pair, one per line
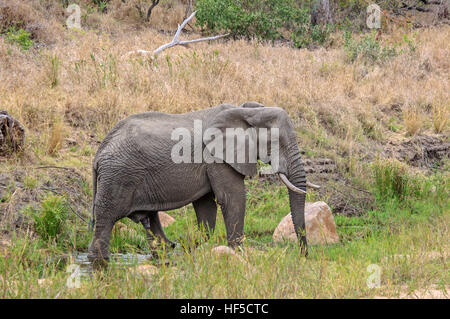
(155, 233)
(206, 211)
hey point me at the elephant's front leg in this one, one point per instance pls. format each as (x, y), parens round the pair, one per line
(228, 186)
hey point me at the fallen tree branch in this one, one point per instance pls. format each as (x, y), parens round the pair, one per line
(175, 41)
(74, 170)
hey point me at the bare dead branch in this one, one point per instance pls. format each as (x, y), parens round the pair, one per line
(175, 41)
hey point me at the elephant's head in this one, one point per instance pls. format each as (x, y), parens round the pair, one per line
(273, 136)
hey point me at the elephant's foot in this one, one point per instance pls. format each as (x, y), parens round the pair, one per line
(190, 244)
(158, 246)
(98, 253)
(98, 263)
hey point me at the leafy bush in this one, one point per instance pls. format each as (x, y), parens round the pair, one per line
(49, 220)
(368, 48)
(308, 34)
(19, 37)
(263, 19)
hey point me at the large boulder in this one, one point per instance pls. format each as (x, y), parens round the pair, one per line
(12, 134)
(320, 226)
(165, 219)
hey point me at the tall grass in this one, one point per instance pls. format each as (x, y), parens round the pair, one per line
(440, 114)
(391, 178)
(56, 138)
(413, 120)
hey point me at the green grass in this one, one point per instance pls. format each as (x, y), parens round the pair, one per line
(411, 225)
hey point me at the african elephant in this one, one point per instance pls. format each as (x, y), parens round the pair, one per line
(135, 176)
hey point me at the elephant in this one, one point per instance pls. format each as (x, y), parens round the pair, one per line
(135, 176)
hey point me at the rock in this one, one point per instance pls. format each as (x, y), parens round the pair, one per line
(124, 230)
(320, 226)
(146, 270)
(223, 251)
(165, 219)
(12, 134)
(71, 142)
(227, 252)
(45, 282)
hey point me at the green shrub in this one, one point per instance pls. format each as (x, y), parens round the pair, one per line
(49, 220)
(368, 48)
(19, 37)
(308, 34)
(262, 19)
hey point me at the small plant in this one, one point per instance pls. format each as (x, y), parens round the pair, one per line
(49, 220)
(410, 42)
(53, 72)
(392, 125)
(87, 151)
(101, 5)
(105, 70)
(308, 34)
(30, 182)
(368, 49)
(20, 37)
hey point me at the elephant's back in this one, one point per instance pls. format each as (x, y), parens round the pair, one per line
(151, 132)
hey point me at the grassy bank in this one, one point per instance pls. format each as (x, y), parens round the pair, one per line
(363, 103)
(406, 237)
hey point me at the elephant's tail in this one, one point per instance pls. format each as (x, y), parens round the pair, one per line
(94, 193)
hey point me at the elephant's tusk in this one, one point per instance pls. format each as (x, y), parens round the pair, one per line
(290, 185)
(308, 184)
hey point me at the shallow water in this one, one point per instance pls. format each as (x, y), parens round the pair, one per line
(85, 267)
(121, 260)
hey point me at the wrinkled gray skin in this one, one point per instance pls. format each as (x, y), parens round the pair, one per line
(135, 177)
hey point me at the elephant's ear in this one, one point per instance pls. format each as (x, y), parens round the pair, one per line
(237, 126)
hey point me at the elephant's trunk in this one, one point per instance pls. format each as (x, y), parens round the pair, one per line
(296, 175)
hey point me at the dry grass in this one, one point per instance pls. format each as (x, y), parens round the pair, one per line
(440, 114)
(413, 120)
(56, 138)
(84, 80)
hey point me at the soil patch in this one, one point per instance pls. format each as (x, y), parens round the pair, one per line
(423, 151)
